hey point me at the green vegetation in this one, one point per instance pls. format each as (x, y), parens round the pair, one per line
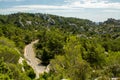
(50, 44)
(75, 49)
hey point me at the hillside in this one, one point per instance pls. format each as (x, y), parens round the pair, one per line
(75, 49)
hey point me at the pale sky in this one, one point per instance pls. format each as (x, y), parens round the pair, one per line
(95, 10)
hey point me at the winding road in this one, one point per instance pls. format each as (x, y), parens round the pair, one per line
(31, 59)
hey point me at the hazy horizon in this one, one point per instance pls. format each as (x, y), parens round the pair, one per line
(94, 10)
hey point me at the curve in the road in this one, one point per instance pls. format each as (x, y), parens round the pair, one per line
(35, 63)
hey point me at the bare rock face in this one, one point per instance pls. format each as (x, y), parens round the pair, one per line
(51, 21)
(45, 17)
(29, 22)
(73, 26)
(60, 20)
(112, 21)
(19, 22)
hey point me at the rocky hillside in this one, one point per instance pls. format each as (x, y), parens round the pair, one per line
(74, 48)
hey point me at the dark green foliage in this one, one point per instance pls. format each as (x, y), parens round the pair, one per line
(6, 42)
(8, 51)
(112, 45)
(3, 68)
(11, 72)
(93, 53)
(10, 55)
(113, 62)
(50, 44)
(28, 70)
(31, 73)
(71, 66)
(17, 74)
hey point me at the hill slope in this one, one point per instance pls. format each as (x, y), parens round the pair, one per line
(73, 47)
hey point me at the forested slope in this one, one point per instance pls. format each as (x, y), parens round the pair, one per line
(75, 49)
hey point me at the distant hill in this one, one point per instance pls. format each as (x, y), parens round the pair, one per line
(36, 21)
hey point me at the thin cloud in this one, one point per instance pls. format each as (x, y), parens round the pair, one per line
(14, 10)
(73, 5)
(72, 8)
(112, 11)
(77, 4)
(93, 4)
(42, 7)
(10, 0)
(35, 8)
